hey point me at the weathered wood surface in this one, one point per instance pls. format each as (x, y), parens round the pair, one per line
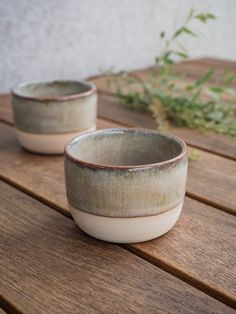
(48, 266)
(209, 141)
(109, 108)
(202, 235)
(202, 172)
(6, 114)
(199, 250)
(191, 69)
(43, 178)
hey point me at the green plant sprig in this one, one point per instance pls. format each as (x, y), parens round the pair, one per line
(162, 97)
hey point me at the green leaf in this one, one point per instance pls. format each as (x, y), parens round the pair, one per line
(191, 13)
(180, 54)
(171, 86)
(211, 16)
(204, 17)
(188, 31)
(196, 95)
(168, 61)
(178, 32)
(217, 89)
(131, 81)
(189, 88)
(216, 116)
(204, 78)
(225, 73)
(166, 58)
(229, 80)
(185, 30)
(183, 105)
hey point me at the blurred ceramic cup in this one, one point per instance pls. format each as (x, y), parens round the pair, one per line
(49, 114)
(125, 185)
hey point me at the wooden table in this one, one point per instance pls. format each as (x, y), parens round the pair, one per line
(47, 265)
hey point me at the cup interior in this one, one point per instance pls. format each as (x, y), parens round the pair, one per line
(125, 147)
(56, 89)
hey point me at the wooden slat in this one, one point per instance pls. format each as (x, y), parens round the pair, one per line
(197, 68)
(202, 172)
(43, 178)
(209, 234)
(182, 81)
(48, 266)
(225, 146)
(212, 179)
(192, 69)
(108, 108)
(216, 63)
(210, 141)
(6, 114)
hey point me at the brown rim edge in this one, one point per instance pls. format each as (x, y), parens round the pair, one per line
(92, 86)
(112, 167)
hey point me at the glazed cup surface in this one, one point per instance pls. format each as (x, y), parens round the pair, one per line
(48, 114)
(125, 174)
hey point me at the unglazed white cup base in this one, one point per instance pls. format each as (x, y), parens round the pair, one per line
(126, 230)
(47, 143)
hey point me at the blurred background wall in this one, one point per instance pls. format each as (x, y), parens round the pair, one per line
(50, 39)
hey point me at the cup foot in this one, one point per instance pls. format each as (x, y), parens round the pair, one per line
(126, 230)
(47, 143)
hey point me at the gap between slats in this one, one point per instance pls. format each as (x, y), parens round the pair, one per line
(8, 303)
(189, 194)
(186, 141)
(8, 307)
(156, 262)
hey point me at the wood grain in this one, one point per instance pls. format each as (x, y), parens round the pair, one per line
(6, 114)
(200, 234)
(109, 108)
(210, 166)
(202, 172)
(43, 178)
(216, 63)
(212, 179)
(49, 266)
(209, 141)
(189, 70)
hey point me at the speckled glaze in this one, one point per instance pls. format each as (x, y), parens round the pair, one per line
(53, 108)
(125, 173)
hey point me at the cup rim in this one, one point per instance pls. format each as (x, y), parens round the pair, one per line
(92, 165)
(92, 90)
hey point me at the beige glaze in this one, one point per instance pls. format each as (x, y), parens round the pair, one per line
(46, 143)
(126, 230)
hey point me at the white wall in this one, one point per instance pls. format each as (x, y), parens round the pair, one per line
(50, 39)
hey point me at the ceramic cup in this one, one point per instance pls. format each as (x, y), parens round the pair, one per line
(125, 185)
(49, 114)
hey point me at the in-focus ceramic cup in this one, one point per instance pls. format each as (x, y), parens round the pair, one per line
(125, 185)
(49, 114)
